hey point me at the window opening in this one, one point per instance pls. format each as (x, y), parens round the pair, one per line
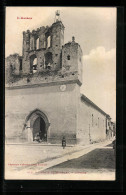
(92, 120)
(48, 41)
(33, 63)
(68, 57)
(37, 43)
(20, 64)
(48, 60)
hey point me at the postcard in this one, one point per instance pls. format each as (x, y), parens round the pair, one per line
(60, 93)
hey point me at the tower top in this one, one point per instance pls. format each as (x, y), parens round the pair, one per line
(73, 39)
(57, 16)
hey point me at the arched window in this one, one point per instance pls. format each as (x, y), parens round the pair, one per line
(33, 63)
(48, 60)
(37, 43)
(44, 45)
(31, 43)
(48, 41)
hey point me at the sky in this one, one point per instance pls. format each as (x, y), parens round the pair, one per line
(94, 29)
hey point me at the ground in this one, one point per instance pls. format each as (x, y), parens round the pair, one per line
(91, 162)
(29, 154)
(98, 160)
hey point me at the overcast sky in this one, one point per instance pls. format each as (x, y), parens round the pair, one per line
(94, 29)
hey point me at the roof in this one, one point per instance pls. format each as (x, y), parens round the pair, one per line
(84, 98)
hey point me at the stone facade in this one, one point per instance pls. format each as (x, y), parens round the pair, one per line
(43, 92)
(58, 106)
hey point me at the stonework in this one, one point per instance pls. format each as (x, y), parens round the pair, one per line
(45, 44)
(43, 92)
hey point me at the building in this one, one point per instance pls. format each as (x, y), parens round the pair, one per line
(43, 92)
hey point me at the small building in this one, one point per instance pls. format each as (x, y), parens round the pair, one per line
(43, 92)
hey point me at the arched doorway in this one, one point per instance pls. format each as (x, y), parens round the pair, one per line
(39, 129)
(36, 125)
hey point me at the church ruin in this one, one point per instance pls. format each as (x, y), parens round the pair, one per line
(43, 92)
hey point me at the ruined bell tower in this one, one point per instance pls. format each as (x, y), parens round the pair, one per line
(45, 57)
(42, 48)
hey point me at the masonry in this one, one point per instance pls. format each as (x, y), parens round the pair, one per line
(43, 92)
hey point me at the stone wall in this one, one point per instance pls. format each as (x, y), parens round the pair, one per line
(13, 65)
(59, 106)
(91, 123)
